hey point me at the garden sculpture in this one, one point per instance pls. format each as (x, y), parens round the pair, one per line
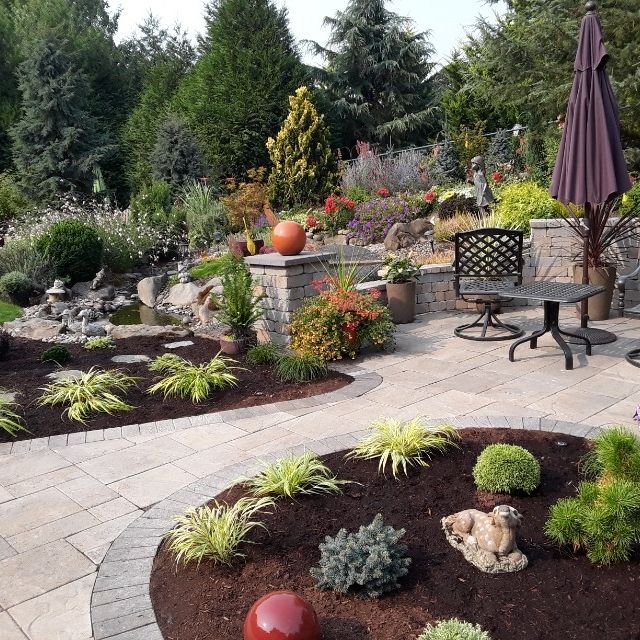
(403, 235)
(57, 293)
(487, 540)
(98, 281)
(184, 276)
(484, 196)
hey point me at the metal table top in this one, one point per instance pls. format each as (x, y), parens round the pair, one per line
(561, 292)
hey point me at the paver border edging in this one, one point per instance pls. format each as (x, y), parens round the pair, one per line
(121, 607)
(363, 382)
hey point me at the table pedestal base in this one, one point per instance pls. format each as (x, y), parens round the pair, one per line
(551, 316)
(633, 357)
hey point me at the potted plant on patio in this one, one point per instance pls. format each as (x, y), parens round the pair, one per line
(239, 308)
(609, 228)
(401, 274)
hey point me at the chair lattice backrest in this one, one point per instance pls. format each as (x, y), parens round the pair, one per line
(488, 253)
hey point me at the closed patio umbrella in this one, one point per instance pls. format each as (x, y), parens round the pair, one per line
(590, 167)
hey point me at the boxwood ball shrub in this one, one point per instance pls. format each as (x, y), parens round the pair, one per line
(368, 563)
(17, 287)
(521, 202)
(453, 629)
(58, 354)
(506, 468)
(74, 248)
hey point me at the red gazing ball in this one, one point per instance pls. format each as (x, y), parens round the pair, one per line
(289, 238)
(281, 615)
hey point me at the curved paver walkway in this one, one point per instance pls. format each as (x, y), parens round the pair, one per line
(64, 500)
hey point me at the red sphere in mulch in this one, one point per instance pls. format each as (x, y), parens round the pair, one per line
(289, 238)
(281, 615)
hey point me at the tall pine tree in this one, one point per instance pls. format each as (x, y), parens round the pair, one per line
(56, 145)
(305, 170)
(377, 74)
(236, 96)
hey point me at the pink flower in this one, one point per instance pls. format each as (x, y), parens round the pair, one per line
(383, 192)
(430, 196)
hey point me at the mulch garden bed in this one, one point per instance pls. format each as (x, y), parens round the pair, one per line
(23, 371)
(558, 597)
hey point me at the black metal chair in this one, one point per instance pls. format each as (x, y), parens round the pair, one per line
(633, 356)
(486, 262)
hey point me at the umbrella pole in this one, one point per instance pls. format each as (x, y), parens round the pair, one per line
(584, 305)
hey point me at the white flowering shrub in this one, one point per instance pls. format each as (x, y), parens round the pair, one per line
(127, 242)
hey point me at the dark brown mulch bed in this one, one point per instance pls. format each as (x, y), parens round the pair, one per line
(24, 372)
(558, 597)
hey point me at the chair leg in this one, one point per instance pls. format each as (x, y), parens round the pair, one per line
(485, 320)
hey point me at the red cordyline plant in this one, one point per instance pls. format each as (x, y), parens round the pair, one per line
(607, 231)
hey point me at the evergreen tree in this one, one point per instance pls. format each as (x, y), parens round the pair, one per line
(8, 82)
(377, 74)
(56, 145)
(236, 95)
(162, 58)
(448, 162)
(501, 149)
(176, 158)
(305, 170)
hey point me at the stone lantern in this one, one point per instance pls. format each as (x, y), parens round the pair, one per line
(57, 293)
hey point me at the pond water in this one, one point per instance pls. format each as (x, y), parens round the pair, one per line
(141, 314)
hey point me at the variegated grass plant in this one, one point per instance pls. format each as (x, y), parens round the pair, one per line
(10, 421)
(99, 342)
(404, 444)
(216, 532)
(184, 379)
(92, 392)
(293, 475)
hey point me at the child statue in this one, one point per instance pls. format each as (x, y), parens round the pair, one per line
(484, 196)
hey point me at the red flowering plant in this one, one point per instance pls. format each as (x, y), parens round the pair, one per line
(430, 196)
(338, 211)
(497, 177)
(383, 192)
(312, 223)
(340, 320)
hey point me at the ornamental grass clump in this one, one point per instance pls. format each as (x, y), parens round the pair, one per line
(195, 381)
(453, 629)
(506, 468)
(367, 563)
(404, 444)
(294, 366)
(94, 344)
(10, 421)
(92, 392)
(216, 532)
(604, 518)
(264, 354)
(294, 475)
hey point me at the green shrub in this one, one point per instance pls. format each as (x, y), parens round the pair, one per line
(304, 474)
(358, 194)
(521, 202)
(403, 443)
(453, 629)
(603, 520)
(264, 354)
(457, 205)
(12, 202)
(293, 366)
(506, 468)
(369, 562)
(92, 392)
(215, 532)
(631, 200)
(74, 248)
(187, 380)
(99, 343)
(23, 256)
(153, 202)
(615, 454)
(57, 354)
(17, 287)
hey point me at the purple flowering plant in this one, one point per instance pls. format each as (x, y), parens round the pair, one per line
(374, 218)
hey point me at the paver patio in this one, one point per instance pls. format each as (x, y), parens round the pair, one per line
(64, 501)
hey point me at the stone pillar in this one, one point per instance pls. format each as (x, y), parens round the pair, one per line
(286, 280)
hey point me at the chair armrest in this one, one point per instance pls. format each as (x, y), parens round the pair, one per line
(622, 280)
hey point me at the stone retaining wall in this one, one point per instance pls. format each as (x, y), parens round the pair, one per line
(549, 255)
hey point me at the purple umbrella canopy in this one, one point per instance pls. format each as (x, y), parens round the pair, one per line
(590, 167)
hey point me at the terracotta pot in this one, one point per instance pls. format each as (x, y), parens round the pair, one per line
(600, 305)
(289, 238)
(233, 346)
(239, 247)
(401, 300)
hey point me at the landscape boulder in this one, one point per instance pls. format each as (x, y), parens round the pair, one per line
(169, 332)
(34, 328)
(149, 288)
(182, 295)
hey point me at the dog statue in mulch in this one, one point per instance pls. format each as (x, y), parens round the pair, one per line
(403, 235)
(487, 540)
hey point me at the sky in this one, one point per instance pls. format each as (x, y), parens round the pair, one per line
(446, 19)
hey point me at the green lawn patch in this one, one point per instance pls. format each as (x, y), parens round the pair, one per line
(9, 312)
